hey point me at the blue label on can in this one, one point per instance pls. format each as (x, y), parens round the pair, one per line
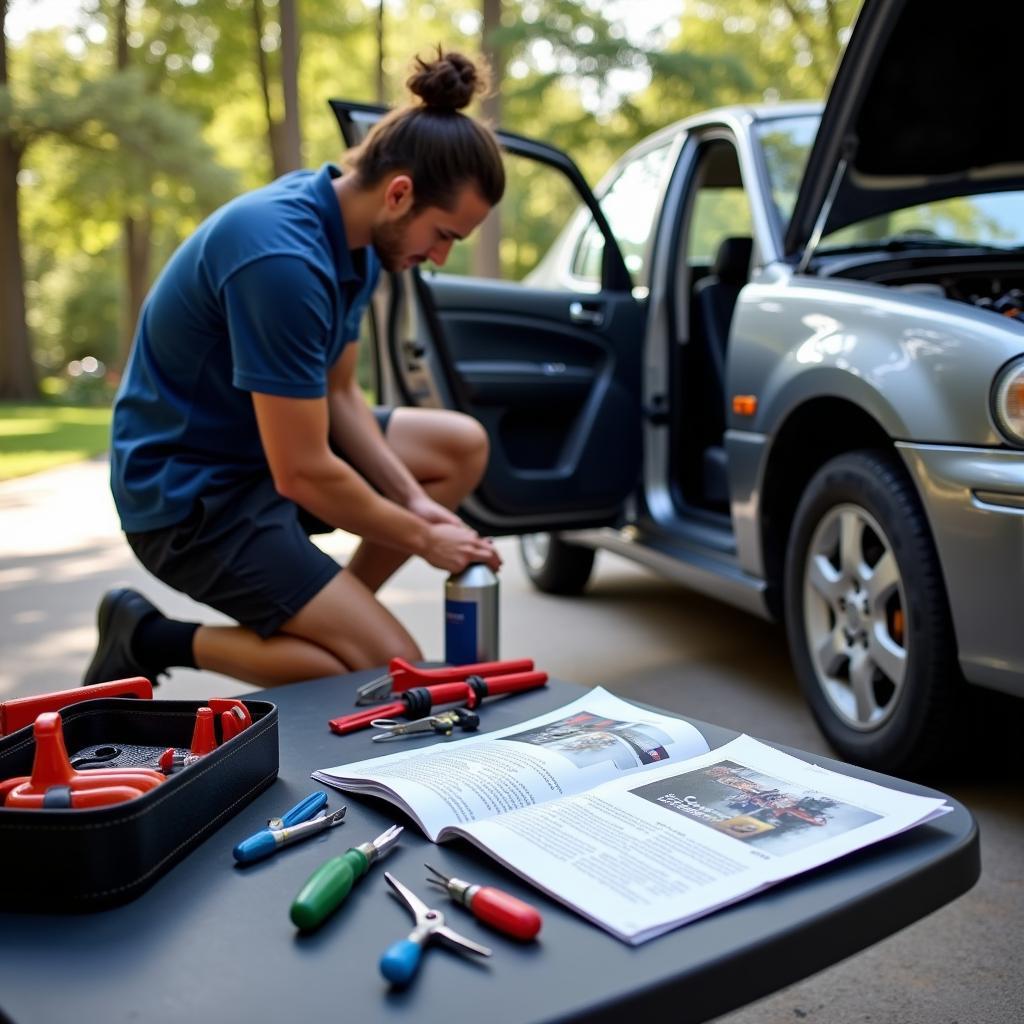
(460, 632)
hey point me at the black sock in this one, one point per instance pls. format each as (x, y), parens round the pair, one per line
(160, 643)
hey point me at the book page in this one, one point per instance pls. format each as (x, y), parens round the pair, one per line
(639, 856)
(595, 738)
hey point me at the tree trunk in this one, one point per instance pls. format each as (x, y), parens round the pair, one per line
(486, 252)
(135, 234)
(17, 371)
(381, 83)
(291, 129)
(275, 139)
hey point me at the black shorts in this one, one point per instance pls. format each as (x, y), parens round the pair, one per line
(245, 551)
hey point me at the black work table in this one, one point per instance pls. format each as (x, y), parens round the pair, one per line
(211, 941)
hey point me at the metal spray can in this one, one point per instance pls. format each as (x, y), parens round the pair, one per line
(471, 616)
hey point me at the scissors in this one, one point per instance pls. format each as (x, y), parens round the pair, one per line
(401, 959)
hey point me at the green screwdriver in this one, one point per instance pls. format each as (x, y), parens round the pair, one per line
(328, 886)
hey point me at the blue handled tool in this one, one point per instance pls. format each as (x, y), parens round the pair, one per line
(302, 811)
(401, 959)
(294, 825)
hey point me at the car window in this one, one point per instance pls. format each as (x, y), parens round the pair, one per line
(538, 203)
(629, 203)
(786, 143)
(720, 208)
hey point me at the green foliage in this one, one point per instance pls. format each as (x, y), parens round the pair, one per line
(183, 127)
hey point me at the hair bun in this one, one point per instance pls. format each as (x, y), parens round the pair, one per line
(447, 83)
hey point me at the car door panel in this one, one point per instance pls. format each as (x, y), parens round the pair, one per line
(558, 398)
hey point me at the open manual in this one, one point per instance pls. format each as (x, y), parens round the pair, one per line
(627, 817)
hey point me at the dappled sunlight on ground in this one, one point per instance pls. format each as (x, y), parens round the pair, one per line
(89, 563)
(18, 575)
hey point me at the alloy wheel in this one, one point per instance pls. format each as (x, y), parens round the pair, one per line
(855, 617)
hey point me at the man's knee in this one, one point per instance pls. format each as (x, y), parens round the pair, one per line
(470, 446)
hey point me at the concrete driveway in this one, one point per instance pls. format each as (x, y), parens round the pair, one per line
(641, 637)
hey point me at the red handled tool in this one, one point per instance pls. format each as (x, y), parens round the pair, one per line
(499, 909)
(419, 701)
(402, 675)
(233, 715)
(21, 711)
(54, 783)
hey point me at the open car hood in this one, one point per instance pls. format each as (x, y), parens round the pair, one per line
(925, 105)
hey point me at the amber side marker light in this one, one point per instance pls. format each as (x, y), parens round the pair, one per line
(744, 405)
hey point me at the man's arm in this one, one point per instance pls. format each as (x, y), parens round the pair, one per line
(354, 431)
(293, 432)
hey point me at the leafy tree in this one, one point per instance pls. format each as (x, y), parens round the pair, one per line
(17, 373)
(283, 129)
(566, 58)
(132, 149)
(129, 127)
(787, 48)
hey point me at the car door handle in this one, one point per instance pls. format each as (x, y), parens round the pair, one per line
(580, 314)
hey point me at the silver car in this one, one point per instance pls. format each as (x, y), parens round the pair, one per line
(781, 360)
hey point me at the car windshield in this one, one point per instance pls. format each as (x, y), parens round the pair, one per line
(991, 219)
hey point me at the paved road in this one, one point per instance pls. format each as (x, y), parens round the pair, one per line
(639, 636)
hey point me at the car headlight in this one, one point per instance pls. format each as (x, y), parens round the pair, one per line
(1008, 401)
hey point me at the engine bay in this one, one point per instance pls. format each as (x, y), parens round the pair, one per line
(989, 284)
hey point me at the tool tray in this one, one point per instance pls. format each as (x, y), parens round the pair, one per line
(62, 860)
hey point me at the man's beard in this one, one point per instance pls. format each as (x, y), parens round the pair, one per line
(388, 242)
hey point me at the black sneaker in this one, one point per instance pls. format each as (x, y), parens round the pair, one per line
(120, 614)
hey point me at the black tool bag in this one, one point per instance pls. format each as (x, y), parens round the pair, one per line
(64, 860)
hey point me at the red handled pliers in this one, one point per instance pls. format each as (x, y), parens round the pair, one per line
(402, 675)
(421, 700)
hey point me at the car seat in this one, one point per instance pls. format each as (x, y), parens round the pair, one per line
(715, 296)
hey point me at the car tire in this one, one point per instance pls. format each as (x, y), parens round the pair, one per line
(867, 617)
(555, 566)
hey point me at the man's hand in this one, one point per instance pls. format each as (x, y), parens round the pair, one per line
(431, 511)
(453, 546)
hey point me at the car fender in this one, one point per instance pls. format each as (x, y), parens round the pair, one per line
(921, 366)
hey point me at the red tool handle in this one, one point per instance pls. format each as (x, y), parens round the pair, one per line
(51, 769)
(448, 693)
(361, 719)
(103, 796)
(515, 683)
(441, 693)
(22, 711)
(96, 796)
(506, 913)
(404, 675)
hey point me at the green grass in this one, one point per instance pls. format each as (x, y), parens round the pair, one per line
(40, 436)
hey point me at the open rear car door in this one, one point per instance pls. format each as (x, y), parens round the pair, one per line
(551, 372)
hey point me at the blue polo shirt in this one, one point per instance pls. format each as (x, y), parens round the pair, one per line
(263, 297)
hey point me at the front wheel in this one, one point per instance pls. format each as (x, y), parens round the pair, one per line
(867, 617)
(555, 566)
